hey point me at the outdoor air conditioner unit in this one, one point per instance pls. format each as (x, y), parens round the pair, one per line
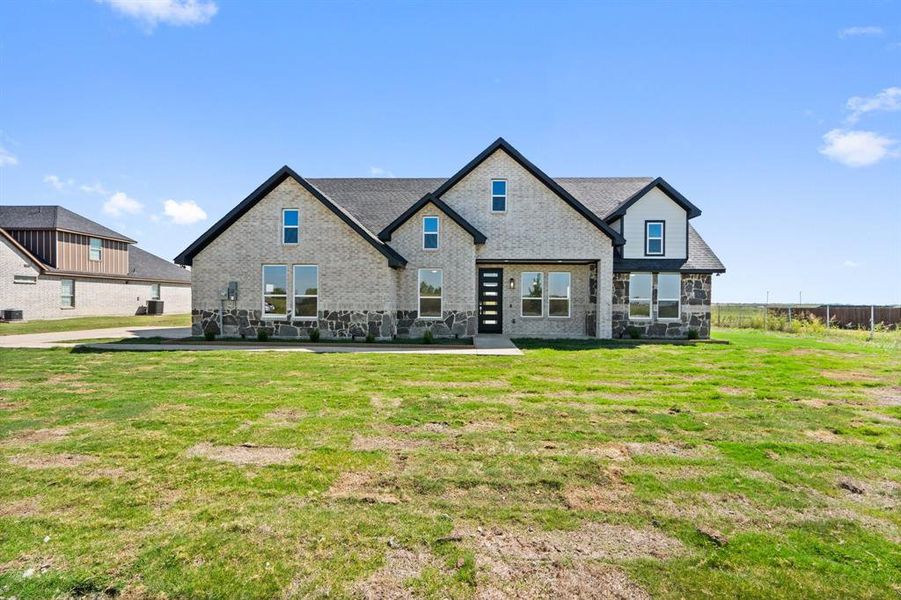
(11, 314)
(154, 307)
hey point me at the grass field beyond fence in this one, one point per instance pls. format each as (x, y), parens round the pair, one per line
(765, 468)
(806, 317)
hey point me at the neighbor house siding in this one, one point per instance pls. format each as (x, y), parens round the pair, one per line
(40, 242)
(655, 206)
(73, 254)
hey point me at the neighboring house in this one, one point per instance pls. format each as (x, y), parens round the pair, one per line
(56, 264)
(500, 247)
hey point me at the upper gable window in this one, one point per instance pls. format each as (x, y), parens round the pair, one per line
(430, 230)
(96, 248)
(498, 195)
(290, 226)
(653, 238)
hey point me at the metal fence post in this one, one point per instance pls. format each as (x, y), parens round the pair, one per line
(789, 316)
(872, 321)
(827, 316)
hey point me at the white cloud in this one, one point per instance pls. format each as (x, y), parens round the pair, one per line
(380, 172)
(850, 264)
(171, 12)
(57, 183)
(95, 188)
(857, 148)
(120, 204)
(183, 213)
(860, 31)
(888, 100)
(7, 159)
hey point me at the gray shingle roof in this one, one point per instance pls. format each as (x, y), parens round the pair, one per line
(603, 195)
(144, 265)
(700, 259)
(54, 217)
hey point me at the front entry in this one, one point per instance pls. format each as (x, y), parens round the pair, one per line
(491, 300)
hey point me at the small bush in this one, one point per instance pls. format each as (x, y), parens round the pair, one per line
(370, 338)
(633, 332)
(262, 335)
(692, 334)
(427, 337)
(314, 335)
(209, 335)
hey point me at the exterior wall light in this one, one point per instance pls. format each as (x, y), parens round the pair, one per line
(512, 283)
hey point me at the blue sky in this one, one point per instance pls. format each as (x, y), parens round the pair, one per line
(780, 121)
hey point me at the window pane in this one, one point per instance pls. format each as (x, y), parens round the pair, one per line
(66, 287)
(655, 246)
(291, 235)
(155, 291)
(668, 309)
(275, 305)
(640, 285)
(498, 204)
(430, 224)
(275, 279)
(291, 218)
(305, 283)
(669, 286)
(305, 307)
(430, 307)
(558, 308)
(430, 241)
(530, 285)
(655, 230)
(498, 188)
(531, 307)
(640, 309)
(558, 285)
(430, 282)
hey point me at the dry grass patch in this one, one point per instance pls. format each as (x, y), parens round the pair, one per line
(881, 494)
(669, 449)
(387, 444)
(389, 582)
(10, 405)
(285, 416)
(615, 498)
(885, 396)
(825, 436)
(364, 487)
(50, 461)
(844, 376)
(38, 436)
(243, 455)
(10, 385)
(583, 580)
(23, 508)
(383, 403)
(733, 391)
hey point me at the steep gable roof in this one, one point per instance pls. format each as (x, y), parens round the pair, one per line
(659, 183)
(477, 236)
(55, 217)
(187, 256)
(502, 144)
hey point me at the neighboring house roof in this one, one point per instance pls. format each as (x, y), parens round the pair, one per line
(22, 249)
(701, 259)
(477, 236)
(55, 217)
(187, 257)
(146, 266)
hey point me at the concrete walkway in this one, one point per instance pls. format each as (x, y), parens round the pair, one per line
(65, 338)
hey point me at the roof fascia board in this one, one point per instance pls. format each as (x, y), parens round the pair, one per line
(477, 236)
(660, 183)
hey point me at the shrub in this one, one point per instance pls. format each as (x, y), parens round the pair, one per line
(692, 334)
(314, 335)
(370, 338)
(427, 337)
(262, 335)
(633, 332)
(209, 335)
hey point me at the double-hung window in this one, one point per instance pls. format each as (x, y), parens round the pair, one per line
(653, 238)
(669, 291)
(640, 295)
(498, 195)
(67, 293)
(431, 283)
(306, 291)
(559, 295)
(275, 288)
(290, 226)
(95, 249)
(430, 230)
(531, 291)
(154, 291)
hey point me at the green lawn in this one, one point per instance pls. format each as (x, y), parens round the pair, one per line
(78, 323)
(766, 468)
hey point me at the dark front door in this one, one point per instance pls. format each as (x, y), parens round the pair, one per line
(491, 300)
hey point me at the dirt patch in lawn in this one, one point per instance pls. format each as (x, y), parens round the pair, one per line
(382, 403)
(50, 461)
(885, 396)
(492, 383)
(400, 566)
(825, 436)
(26, 507)
(10, 385)
(881, 494)
(614, 497)
(581, 580)
(364, 487)
(285, 416)
(11, 405)
(668, 449)
(386, 443)
(849, 376)
(617, 452)
(243, 455)
(733, 391)
(39, 436)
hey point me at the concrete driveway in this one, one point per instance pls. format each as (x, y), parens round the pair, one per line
(65, 338)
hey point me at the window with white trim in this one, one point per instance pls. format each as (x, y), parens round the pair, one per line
(653, 238)
(640, 295)
(67, 293)
(559, 295)
(498, 195)
(27, 279)
(531, 290)
(431, 283)
(154, 291)
(95, 249)
(306, 291)
(430, 230)
(669, 294)
(290, 226)
(275, 288)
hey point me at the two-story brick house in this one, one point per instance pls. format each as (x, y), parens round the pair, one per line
(499, 247)
(55, 264)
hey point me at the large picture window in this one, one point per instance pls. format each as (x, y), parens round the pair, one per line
(430, 230)
(67, 293)
(640, 296)
(653, 238)
(559, 294)
(532, 294)
(669, 292)
(275, 288)
(96, 249)
(431, 283)
(499, 195)
(306, 291)
(290, 226)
